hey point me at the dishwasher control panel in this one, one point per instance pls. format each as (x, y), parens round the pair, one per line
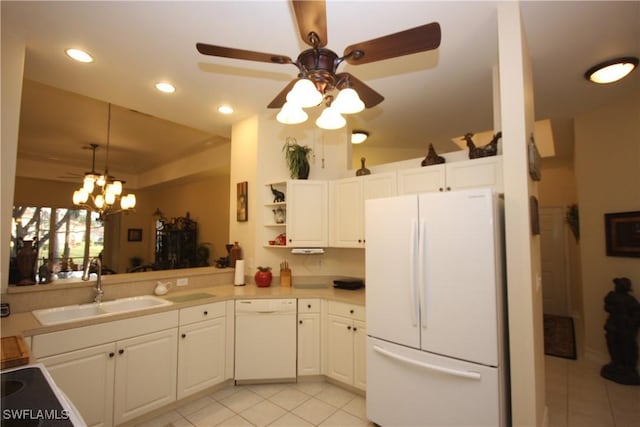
(280, 305)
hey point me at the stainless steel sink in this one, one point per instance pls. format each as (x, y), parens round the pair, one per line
(72, 313)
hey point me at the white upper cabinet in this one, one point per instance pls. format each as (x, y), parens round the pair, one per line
(301, 220)
(484, 172)
(347, 198)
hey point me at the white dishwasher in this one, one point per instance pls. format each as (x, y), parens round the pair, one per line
(265, 340)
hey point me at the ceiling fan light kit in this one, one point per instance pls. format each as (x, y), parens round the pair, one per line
(100, 192)
(611, 71)
(292, 114)
(317, 66)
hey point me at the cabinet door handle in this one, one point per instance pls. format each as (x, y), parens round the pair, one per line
(349, 327)
(351, 311)
(121, 351)
(206, 313)
(308, 305)
(355, 329)
(300, 321)
(448, 188)
(440, 189)
(111, 354)
(184, 335)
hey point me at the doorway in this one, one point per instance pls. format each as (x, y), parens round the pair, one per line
(554, 261)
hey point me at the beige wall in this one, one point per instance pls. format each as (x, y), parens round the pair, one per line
(607, 164)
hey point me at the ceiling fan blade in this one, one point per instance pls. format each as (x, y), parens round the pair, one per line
(229, 52)
(281, 98)
(312, 18)
(370, 97)
(414, 40)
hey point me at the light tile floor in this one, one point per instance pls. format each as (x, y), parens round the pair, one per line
(283, 405)
(576, 397)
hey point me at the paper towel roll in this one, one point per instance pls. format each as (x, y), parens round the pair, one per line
(239, 277)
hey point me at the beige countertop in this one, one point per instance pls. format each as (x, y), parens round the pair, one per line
(26, 324)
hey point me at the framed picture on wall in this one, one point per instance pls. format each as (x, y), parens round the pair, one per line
(622, 231)
(242, 196)
(134, 234)
(534, 215)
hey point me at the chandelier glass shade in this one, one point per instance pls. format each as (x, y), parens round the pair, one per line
(305, 94)
(102, 193)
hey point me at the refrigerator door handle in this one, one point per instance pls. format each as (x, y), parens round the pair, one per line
(454, 372)
(412, 272)
(422, 268)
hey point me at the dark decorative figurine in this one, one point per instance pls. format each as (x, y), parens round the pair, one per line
(621, 330)
(432, 157)
(491, 149)
(363, 170)
(278, 196)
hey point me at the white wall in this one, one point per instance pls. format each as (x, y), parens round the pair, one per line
(523, 250)
(12, 70)
(607, 163)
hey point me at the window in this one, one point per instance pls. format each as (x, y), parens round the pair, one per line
(63, 238)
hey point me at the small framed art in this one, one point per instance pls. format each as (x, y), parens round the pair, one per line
(242, 197)
(134, 234)
(622, 231)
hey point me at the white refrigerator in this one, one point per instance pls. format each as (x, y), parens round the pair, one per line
(436, 322)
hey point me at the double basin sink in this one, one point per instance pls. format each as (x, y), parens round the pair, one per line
(72, 313)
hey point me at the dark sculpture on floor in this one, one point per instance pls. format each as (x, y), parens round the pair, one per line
(491, 149)
(278, 196)
(621, 333)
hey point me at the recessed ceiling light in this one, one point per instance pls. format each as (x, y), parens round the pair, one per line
(225, 109)
(611, 71)
(359, 136)
(79, 55)
(165, 87)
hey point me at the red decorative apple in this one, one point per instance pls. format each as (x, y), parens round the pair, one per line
(263, 277)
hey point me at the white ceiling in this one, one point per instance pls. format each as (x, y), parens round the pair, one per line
(430, 97)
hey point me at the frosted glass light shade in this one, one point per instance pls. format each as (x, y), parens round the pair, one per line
(110, 198)
(330, 119)
(611, 71)
(305, 94)
(348, 102)
(99, 201)
(128, 201)
(88, 182)
(291, 114)
(101, 181)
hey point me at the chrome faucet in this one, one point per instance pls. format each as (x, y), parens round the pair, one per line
(85, 276)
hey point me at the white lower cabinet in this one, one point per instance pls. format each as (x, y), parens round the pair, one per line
(201, 348)
(309, 330)
(114, 371)
(346, 341)
(145, 377)
(93, 394)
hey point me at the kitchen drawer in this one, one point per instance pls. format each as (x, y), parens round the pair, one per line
(308, 305)
(352, 311)
(202, 312)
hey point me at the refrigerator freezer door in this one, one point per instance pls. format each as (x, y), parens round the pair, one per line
(391, 227)
(459, 280)
(407, 387)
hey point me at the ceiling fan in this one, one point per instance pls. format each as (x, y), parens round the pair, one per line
(319, 65)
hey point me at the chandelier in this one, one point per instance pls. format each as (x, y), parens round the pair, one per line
(102, 193)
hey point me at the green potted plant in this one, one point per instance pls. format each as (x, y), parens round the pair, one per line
(297, 157)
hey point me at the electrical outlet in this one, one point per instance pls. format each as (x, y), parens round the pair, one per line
(182, 282)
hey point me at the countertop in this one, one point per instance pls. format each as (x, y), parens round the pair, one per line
(26, 324)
